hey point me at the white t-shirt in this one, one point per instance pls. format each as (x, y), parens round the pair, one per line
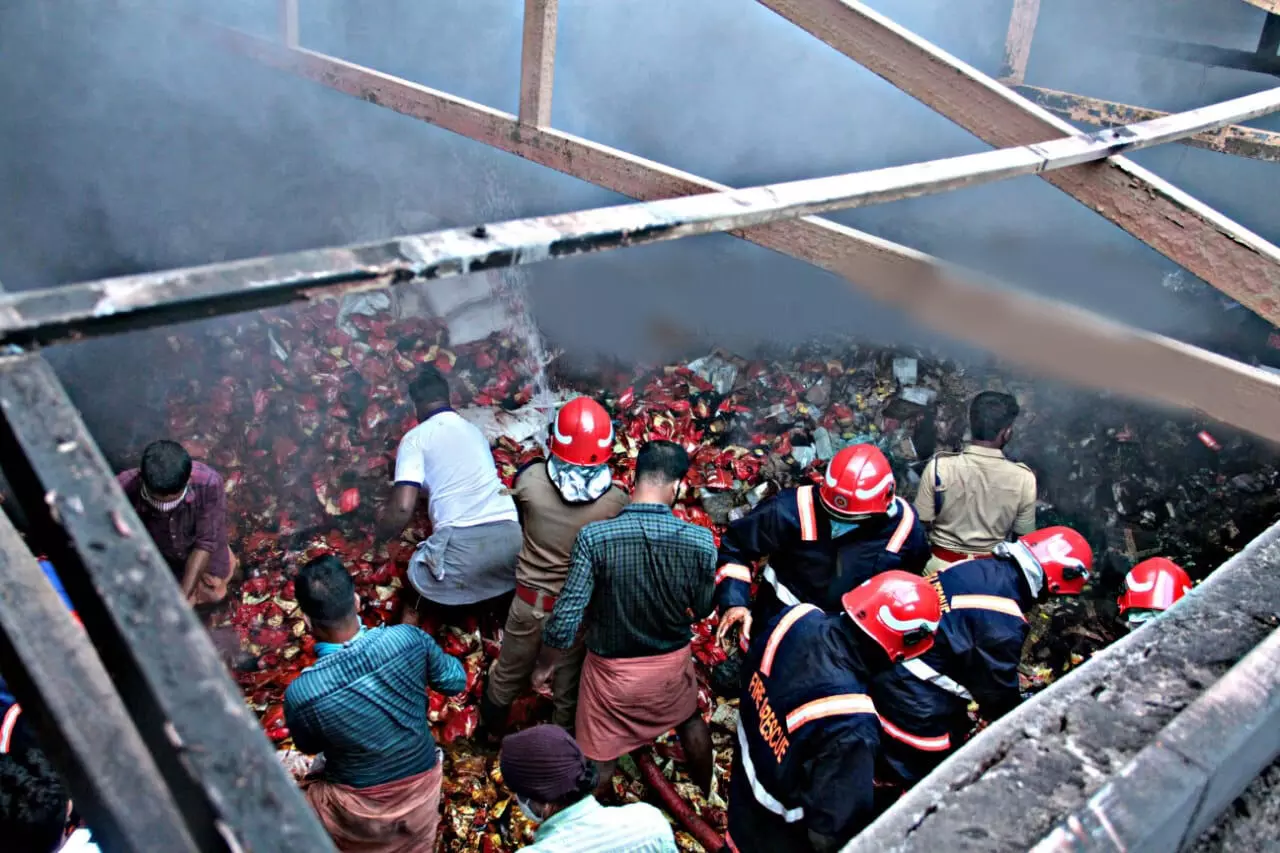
(79, 842)
(449, 459)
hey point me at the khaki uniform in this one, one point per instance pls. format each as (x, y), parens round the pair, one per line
(551, 526)
(985, 497)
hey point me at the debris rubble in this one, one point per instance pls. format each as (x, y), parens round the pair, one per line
(301, 415)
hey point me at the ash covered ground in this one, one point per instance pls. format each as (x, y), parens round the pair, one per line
(301, 412)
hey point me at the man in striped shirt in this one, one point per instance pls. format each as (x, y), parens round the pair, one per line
(364, 705)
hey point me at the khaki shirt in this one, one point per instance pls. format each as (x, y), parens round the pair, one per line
(984, 497)
(551, 525)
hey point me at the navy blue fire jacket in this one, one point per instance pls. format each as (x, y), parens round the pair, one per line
(807, 736)
(805, 563)
(923, 703)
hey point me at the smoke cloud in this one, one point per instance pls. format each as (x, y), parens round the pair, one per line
(129, 144)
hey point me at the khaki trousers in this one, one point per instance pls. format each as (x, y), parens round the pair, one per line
(521, 645)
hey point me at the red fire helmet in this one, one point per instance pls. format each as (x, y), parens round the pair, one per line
(858, 481)
(1065, 557)
(1153, 584)
(583, 433)
(899, 610)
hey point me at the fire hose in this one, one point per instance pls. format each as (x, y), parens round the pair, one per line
(675, 804)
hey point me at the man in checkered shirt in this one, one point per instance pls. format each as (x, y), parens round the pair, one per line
(643, 578)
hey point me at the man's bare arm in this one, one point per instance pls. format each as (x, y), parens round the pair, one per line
(397, 512)
(197, 563)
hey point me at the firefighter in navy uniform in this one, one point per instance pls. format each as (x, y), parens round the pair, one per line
(804, 771)
(924, 703)
(820, 542)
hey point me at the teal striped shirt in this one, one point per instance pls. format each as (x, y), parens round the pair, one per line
(365, 706)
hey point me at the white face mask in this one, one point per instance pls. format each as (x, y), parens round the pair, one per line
(164, 506)
(526, 806)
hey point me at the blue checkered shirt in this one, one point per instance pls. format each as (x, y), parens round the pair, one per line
(641, 579)
(365, 707)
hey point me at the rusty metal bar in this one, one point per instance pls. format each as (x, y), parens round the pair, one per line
(538, 61)
(1039, 335)
(76, 310)
(218, 765)
(289, 22)
(68, 699)
(1224, 253)
(1017, 43)
(1233, 139)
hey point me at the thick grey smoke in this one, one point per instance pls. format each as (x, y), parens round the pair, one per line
(128, 144)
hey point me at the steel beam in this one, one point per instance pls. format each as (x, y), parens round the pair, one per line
(538, 61)
(1234, 139)
(69, 701)
(1224, 253)
(1017, 43)
(1039, 335)
(76, 310)
(208, 746)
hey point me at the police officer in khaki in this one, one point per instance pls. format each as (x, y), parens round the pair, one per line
(976, 498)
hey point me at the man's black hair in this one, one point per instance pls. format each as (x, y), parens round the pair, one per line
(325, 592)
(990, 414)
(429, 386)
(166, 467)
(661, 462)
(33, 803)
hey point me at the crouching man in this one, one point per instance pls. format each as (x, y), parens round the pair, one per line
(804, 773)
(553, 783)
(364, 705)
(183, 507)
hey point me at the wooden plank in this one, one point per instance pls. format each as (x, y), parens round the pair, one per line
(1017, 43)
(1234, 139)
(219, 766)
(538, 61)
(1269, 5)
(1040, 335)
(288, 10)
(77, 310)
(68, 700)
(1224, 253)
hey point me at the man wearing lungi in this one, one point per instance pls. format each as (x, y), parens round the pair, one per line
(364, 704)
(644, 577)
(470, 555)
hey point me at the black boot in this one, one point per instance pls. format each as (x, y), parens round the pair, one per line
(493, 717)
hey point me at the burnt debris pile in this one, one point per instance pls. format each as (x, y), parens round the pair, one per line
(301, 412)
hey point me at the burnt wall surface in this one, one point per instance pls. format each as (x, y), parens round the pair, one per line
(1010, 786)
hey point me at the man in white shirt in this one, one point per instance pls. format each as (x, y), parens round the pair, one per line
(470, 555)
